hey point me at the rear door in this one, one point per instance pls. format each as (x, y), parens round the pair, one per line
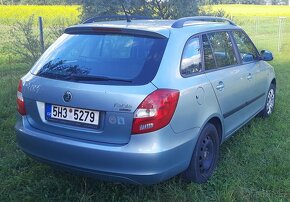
(227, 77)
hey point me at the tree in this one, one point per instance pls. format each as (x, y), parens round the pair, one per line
(173, 9)
(166, 9)
(206, 2)
(25, 41)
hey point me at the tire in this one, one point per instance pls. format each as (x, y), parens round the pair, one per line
(270, 102)
(204, 157)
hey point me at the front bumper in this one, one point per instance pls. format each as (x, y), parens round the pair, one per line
(146, 159)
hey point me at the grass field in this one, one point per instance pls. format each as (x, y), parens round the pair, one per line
(11, 14)
(253, 164)
(254, 10)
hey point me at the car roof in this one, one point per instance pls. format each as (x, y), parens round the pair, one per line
(162, 27)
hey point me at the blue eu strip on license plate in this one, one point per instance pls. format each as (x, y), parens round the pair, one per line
(71, 114)
(48, 110)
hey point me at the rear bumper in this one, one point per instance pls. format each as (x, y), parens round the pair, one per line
(146, 159)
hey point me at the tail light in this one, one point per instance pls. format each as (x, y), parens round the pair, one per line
(155, 111)
(20, 101)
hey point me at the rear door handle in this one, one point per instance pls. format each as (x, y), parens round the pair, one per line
(220, 86)
(249, 77)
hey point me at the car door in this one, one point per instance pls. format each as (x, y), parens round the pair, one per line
(257, 71)
(227, 77)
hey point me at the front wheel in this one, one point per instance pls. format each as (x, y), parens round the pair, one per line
(270, 102)
(204, 157)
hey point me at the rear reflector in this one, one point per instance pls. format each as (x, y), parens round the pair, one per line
(155, 111)
(20, 101)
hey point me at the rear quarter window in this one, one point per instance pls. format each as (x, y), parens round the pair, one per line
(191, 58)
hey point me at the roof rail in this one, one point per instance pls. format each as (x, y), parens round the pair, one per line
(180, 22)
(115, 17)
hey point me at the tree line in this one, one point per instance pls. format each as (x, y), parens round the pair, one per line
(39, 2)
(165, 9)
(200, 2)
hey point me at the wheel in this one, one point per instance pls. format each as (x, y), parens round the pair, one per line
(270, 102)
(204, 157)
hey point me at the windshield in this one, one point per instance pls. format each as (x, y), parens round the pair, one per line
(102, 58)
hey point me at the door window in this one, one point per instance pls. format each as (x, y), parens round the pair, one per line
(222, 50)
(209, 61)
(246, 48)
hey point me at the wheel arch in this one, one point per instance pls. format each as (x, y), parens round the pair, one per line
(189, 174)
(218, 125)
(274, 82)
(217, 121)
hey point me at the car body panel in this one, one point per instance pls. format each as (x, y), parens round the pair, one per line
(232, 95)
(196, 104)
(146, 159)
(116, 105)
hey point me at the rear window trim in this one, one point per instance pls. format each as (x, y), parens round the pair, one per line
(110, 30)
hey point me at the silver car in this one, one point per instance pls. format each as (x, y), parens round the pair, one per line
(145, 100)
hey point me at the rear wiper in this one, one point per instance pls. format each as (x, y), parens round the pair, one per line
(95, 78)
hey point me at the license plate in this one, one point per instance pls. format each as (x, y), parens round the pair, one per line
(71, 114)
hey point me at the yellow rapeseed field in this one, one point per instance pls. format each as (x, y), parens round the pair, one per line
(254, 10)
(50, 14)
(11, 14)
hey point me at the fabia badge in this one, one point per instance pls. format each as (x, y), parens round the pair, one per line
(67, 96)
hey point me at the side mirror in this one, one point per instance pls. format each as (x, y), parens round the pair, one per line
(247, 57)
(266, 55)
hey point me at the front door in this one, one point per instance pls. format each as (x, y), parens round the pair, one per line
(257, 71)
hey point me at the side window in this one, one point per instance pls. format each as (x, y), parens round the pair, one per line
(209, 61)
(222, 49)
(191, 57)
(246, 48)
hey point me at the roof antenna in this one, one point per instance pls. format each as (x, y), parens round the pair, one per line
(126, 14)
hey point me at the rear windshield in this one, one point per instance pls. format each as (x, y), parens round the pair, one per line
(102, 58)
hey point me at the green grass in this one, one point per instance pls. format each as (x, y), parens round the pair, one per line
(254, 10)
(253, 164)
